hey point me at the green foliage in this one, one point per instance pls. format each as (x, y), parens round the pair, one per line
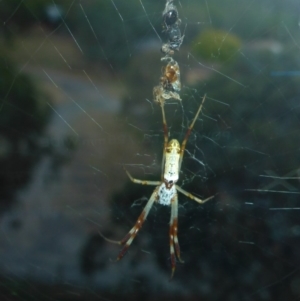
(214, 44)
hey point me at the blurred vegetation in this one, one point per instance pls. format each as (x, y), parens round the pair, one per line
(218, 45)
(141, 77)
(262, 113)
(20, 16)
(23, 14)
(24, 115)
(111, 34)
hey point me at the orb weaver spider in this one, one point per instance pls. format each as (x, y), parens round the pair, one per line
(165, 192)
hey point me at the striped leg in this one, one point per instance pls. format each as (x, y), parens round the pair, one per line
(187, 135)
(143, 182)
(166, 138)
(174, 244)
(129, 237)
(189, 195)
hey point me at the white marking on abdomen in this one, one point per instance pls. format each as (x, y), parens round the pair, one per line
(165, 195)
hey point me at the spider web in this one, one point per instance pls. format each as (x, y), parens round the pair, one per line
(94, 65)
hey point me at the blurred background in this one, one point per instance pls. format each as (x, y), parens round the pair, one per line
(76, 80)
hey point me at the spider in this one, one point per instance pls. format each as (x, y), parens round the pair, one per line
(160, 94)
(171, 27)
(171, 17)
(165, 192)
(170, 14)
(169, 82)
(171, 76)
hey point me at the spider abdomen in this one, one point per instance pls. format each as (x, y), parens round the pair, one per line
(165, 194)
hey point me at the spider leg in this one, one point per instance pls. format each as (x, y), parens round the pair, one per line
(174, 244)
(166, 138)
(118, 242)
(143, 182)
(129, 237)
(189, 195)
(187, 135)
